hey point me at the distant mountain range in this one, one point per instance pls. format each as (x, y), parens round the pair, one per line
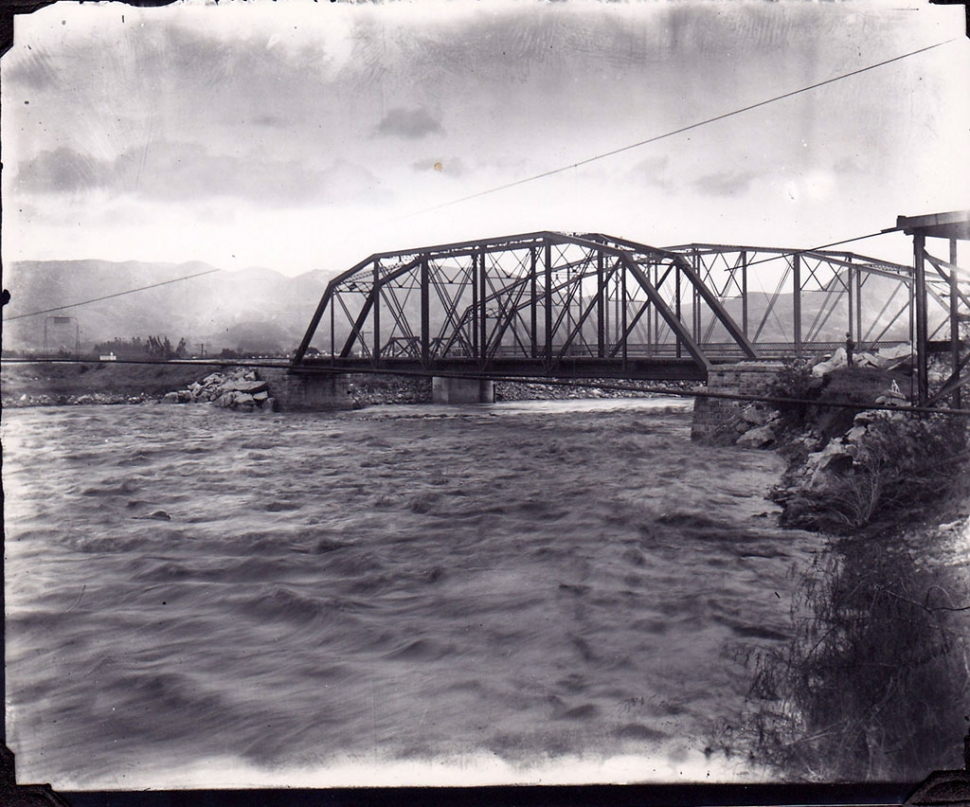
(252, 310)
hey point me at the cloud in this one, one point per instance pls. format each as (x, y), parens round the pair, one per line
(35, 72)
(64, 170)
(176, 171)
(411, 124)
(650, 171)
(725, 183)
(273, 121)
(861, 162)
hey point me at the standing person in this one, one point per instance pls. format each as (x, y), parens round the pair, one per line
(849, 347)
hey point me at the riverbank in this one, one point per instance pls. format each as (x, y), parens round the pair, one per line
(79, 383)
(870, 685)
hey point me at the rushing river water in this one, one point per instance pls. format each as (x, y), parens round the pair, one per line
(546, 592)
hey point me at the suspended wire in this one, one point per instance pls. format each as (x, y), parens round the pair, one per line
(833, 244)
(818, 248)
(673, 132)
(573, 166)
(111, 296)
(847, 240)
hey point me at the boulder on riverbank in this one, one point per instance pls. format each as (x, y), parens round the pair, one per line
(884, 358)
(884, 467)
(825, 410)
(848, 464)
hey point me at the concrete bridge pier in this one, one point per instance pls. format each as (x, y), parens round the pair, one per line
(296, 392)
(461, 390)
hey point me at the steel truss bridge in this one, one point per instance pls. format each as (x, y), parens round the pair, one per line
(567, 305)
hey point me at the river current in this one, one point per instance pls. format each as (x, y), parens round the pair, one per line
(543, 593)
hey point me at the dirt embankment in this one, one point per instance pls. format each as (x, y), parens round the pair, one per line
(53, 384)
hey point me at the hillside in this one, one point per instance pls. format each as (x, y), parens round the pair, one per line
(253, 309)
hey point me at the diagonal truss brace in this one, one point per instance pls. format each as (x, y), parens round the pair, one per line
(664, 310)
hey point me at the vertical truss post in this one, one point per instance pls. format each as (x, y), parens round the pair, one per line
(922, 336)
(911, 287)
(624, 315)
(570, 293)
(858, 304)
(476, 350)
(617, 285)
(600, 307)
(606, 312)
(744, 293)
(482, 309)
(547, 291)
(854, 303)
(696, 311)
(797, 302)
(534, 301)
(696, 299)
(653, 331)
(677, 306)
(333, 332)
(376, 296)
(954, 318)
(425, 314)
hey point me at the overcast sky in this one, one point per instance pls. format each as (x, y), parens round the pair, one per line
(299, 136)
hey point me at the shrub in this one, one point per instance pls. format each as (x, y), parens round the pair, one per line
(874, 681)
(898, 466)
(795, 381)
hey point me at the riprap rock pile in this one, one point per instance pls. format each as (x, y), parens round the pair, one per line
(238, 389)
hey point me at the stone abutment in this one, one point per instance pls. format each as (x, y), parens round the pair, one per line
(720, 421)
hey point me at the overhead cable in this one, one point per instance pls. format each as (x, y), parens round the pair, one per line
(674, 132)
(110, 296)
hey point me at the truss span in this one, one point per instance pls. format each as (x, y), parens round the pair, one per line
(591, 305)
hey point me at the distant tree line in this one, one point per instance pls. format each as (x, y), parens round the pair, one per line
(155, 347)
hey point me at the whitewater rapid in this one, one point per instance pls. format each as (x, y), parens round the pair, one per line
(550, 592)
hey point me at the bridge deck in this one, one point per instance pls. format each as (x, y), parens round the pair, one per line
(661, 363)
(657, 369)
